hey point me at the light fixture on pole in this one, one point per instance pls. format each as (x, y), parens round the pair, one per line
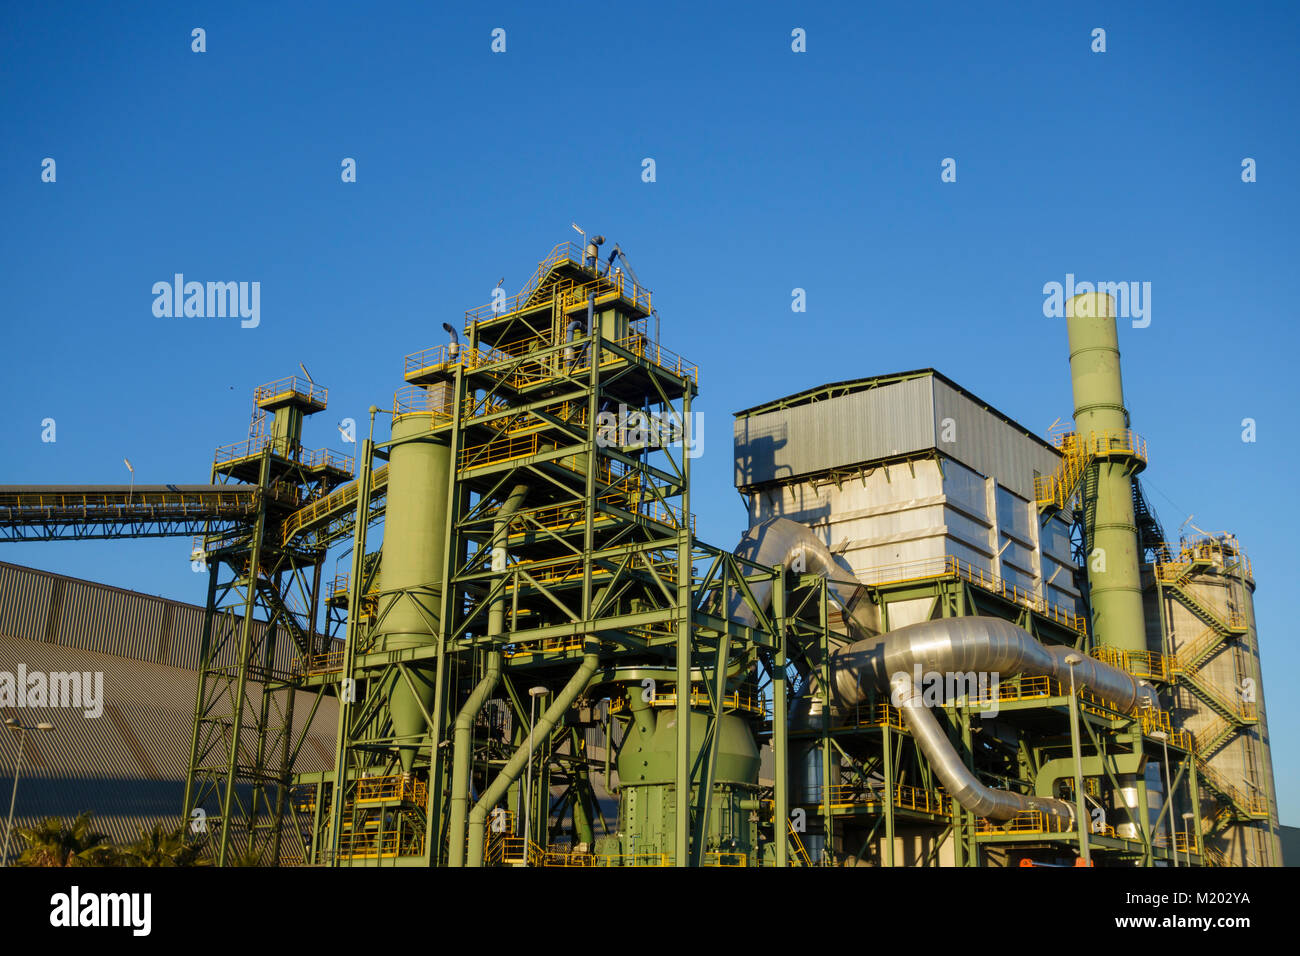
(22, 730)
(1161, 736)
(533, 694)
(127, 462)
(1081, 810)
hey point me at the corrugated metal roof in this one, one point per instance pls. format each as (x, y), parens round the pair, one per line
(847, 424)
(128, 765)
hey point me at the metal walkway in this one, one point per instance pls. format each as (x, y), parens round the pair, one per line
(79, 512)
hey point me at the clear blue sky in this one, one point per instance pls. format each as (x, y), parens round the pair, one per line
(775, 170)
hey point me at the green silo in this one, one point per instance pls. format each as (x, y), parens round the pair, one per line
(412, 564)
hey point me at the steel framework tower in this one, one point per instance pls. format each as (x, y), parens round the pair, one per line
(264, 586)
(538, 537)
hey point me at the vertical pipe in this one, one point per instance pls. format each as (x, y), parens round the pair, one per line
(886, 737)
(352, 634)
(1114, 586)
(464, 724)
(514, 767)
(685, 620)
(1081, 817)
(828, 839)
(780, 725)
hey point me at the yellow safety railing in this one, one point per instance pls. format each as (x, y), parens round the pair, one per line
(905, 797)
(420, 400)
(800, 852)
(738, 700)
(641, 346)
(635, 859)
(252, 447)
(551, 645)
(1024, 822)
(614, 283)
(1221, 549)
(877, 715)
(328, 458)
(569, 858)
(291, 386)
(724, 858)
(398, 787)
(326, 663)
(515, 850)
(1077, 453)
(949, 566)
(1148, 664)
(337, 500)
(1189, 656)
(566, 517)
(524, 371)
(371, 845)
(238, 450)
(1157, 721)
(1252, 803)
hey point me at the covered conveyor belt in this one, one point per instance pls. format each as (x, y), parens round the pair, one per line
(54, 512)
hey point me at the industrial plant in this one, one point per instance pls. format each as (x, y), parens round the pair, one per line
(943, 640)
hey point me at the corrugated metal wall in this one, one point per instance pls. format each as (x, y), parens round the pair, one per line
(912, 512)
(128, 765)
(40, 606)
(886, 421)
(988, 443)
(881, 422)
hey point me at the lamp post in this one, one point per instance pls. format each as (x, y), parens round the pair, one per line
(1081, 810)
(1161, 736)
(22, 730)
(533, 694)
(127, 462)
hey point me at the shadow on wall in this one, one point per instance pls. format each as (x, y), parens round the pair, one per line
(756, 455)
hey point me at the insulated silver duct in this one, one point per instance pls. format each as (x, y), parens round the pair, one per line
(949, 646)
(782, 541)
(969, 646)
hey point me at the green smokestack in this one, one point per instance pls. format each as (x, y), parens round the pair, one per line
(415, 522)
(1101, 423)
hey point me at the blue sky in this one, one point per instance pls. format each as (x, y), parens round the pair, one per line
(775, 170)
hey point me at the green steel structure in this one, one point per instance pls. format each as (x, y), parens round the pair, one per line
(538, 576)
(538, 614)
(264, 588)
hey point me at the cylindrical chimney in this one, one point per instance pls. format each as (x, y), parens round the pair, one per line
(1101, 424)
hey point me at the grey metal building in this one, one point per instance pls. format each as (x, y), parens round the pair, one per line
(123, 757)
(902, 473)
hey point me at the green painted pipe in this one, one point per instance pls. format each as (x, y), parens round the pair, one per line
(462, 732)
(1054, 770)
(1114, 585)
(515, 766)
(418, 471)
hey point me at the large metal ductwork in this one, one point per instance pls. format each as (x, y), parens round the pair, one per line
(968, 645)
(888, 662)
(789, 543)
